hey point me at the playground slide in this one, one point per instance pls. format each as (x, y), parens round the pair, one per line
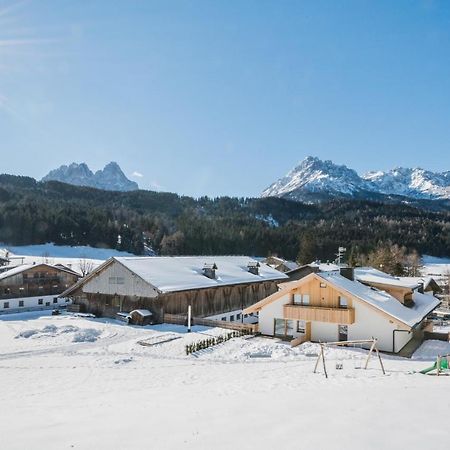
(443, 365)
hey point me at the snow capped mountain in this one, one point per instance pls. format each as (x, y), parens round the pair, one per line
(111, 178)
(314, 179)
(416, 183)
(314, 176)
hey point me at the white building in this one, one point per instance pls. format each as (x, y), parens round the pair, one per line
(336, 306)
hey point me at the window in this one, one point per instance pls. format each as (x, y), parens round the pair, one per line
(40, 301)
(343, 302)
(323, 285)
(6, 305)
(238, 316)
(283, 328)
(55, 299)
(47, 303)
(232, 318)
(343, 332)
(279, 327)
(224, 319)
(116, 280)
(301, 299)
(301, 327)
(21, 303)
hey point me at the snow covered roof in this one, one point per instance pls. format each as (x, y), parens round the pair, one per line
(324, 267)
(180, 273)
(371, 275)
(24, 267)
(141, 312)
(423, 304)
(15, 271)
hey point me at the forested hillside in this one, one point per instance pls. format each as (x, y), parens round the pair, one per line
(33, 212)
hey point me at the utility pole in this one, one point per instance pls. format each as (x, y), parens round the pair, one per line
(340, 254)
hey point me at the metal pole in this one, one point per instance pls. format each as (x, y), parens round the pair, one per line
(189, 318)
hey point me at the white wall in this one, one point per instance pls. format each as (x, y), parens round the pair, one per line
(250, 319)
(133, 285)
(325, 332)
(32, 303)
(272, 311)
(371, 323)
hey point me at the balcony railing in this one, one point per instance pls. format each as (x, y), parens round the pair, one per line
(343, 316)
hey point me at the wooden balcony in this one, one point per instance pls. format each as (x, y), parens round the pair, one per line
(343, 316)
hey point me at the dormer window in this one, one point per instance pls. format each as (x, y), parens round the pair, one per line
(209, 270)
(253, 267)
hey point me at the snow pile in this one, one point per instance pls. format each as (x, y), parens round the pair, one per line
(79, 334)
(86, 335)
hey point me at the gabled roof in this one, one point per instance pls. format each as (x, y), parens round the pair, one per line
(25, 267)
(370, 275)
(381, 300)
(181, 273)
(423, 304)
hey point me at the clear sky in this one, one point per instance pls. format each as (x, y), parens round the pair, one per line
(223, 97)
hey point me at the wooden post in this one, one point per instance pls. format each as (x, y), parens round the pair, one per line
(370, 352)
(323, 361)
(379, 359)
(317, 361)
(189, 319)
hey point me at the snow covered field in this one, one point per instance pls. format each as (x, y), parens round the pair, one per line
(74, 382)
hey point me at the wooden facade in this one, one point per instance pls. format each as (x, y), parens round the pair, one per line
(345, 316)
(204, 302)
(38, 280)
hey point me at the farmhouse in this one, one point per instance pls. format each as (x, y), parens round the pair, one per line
(211, 285)
(34, 286)
(335, 306)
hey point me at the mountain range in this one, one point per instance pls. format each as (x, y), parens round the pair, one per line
(317, 180)
(110, 178)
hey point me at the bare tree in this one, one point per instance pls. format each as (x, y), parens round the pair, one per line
(86, 266)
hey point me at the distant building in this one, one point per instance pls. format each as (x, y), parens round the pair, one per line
(301, 271)
(348, 304)
(280, 264)
(213, 285)
(34, 286)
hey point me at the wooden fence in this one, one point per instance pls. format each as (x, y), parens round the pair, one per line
(238, 326)
(434, 335)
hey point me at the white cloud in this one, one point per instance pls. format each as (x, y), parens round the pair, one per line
(137, 174)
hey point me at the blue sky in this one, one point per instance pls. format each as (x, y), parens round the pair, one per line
(223, 97)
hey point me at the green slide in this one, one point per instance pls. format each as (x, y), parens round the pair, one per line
(443, 365)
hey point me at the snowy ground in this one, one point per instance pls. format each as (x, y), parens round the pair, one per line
(77, 258)
(74, 382)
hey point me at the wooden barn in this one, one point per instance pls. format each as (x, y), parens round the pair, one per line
(211, 285)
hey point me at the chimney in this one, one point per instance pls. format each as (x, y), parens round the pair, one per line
(209, 270)
(253, 267)
(347, 272)
(420, 289)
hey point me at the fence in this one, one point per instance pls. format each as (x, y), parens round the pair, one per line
(182, 320)
(434, 335)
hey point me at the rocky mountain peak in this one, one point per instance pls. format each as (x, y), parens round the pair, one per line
(110, 178)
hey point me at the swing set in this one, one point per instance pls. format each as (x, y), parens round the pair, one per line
(340, 365)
